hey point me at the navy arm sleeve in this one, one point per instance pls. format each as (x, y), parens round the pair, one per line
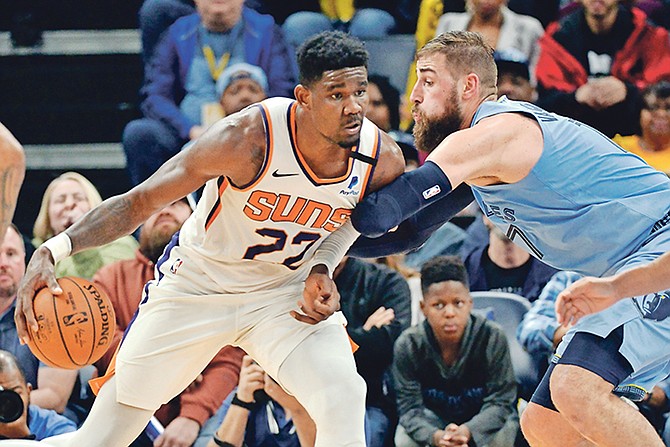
(397, 201)
(414, 231)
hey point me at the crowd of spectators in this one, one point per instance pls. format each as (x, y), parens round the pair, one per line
(605, 62)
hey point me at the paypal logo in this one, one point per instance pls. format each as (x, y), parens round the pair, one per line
(349, 190)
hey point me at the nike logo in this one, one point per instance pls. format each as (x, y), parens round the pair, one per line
(277, 174)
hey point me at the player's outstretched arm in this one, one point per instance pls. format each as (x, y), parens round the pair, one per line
(234, 147)
(12, 171)
(589, 295)
(414, 231)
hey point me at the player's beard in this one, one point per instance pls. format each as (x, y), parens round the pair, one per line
(430, 131)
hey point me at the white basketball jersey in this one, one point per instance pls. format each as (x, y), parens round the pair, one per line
(250, 237)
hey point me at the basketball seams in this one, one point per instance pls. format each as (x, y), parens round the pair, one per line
(76, 344)
(60, 330)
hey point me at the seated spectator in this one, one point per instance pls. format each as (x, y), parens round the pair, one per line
(501, 28)
(182, 75)
(51, 388)
(540, 333)
(653, 142)
(34, 422)
(377, 305)
(503, 266)
(66, 199)
(453, 373)
(364, 19)
(123, 282)
(595, 61)
(238, 86)
(156, 16)
(514, 76)
(260, 413)
(384, 111)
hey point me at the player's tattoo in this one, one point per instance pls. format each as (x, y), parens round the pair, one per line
(10, 183)
(104, 224)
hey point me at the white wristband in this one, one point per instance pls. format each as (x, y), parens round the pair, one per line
(60, 246)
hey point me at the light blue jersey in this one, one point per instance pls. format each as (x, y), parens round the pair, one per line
(586, 206)
(590, 206)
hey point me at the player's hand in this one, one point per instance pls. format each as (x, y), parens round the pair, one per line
(181, 432)
(252, 378)
(320, 297)
(380, 317)
(39, 274)
(584, 297)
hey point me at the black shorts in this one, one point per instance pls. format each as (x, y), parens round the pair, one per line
(599, 355)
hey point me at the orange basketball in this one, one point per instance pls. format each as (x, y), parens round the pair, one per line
(75, 328)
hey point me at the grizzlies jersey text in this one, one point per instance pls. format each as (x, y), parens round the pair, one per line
(257, 233)
(586, 205)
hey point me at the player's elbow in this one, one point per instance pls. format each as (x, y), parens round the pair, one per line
(372, 218)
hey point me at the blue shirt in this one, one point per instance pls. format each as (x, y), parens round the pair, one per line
(9, 341)
(586, 205)
(46, 423)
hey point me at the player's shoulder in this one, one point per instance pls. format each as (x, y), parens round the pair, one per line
(390, 162)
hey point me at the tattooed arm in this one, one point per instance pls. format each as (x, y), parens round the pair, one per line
(234, 147)
(12, 170)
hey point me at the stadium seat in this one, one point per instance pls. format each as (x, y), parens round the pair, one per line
(508, 309)
(391, 57)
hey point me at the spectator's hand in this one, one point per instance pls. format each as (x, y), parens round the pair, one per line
(609, 91)
(586, 94)
(181, 432)
(456, 435)
(198, 380)
(380, 317)
(195, 132)
(657, 398)
(584, 297)
(320, 297)
(252, 378)
(39, 274)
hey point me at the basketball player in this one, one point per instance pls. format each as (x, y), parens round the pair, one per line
(569, 196)
(12, 170)
(280, 177)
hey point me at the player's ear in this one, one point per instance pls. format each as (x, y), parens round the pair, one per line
(471, 84)
(303, 95)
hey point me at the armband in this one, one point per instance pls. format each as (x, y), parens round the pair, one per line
(60, 246)
(240, 403)
(409, 193)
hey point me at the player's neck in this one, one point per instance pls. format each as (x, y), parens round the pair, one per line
(324, 157)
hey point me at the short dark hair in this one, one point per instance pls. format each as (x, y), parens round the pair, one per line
(661, 90)
(391, 97)
(443, 268)
(8, 363)
(329, 50)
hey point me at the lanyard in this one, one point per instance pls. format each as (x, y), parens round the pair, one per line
(215, 68)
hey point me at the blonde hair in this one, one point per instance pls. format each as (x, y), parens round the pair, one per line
(42, 229)
(466, 53)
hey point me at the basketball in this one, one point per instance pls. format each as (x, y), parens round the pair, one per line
(75, 327)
